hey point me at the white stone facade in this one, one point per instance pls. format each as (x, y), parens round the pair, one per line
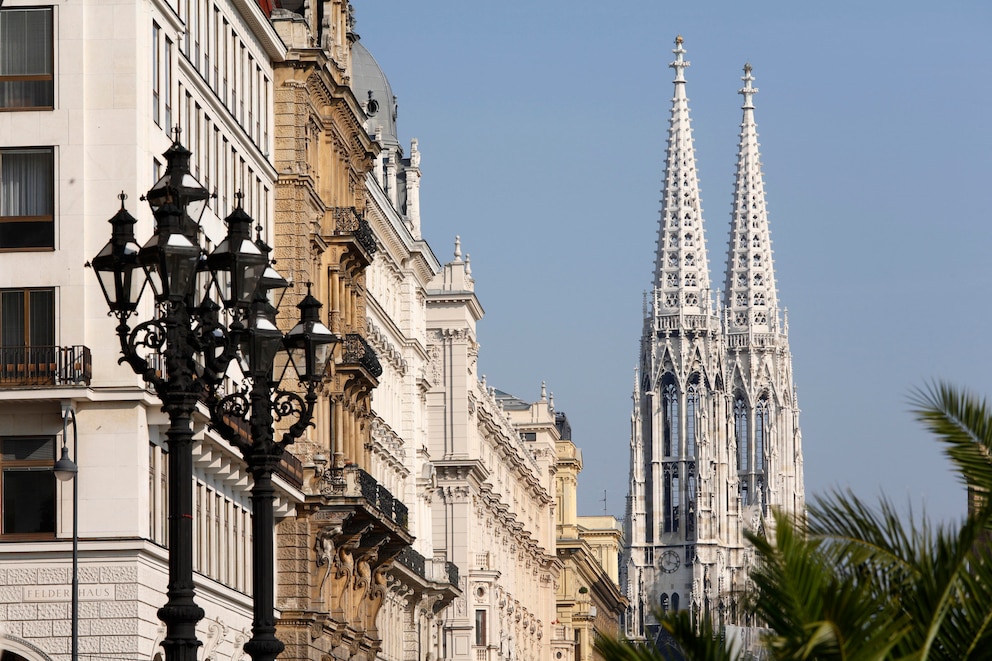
(494, 505)
(123, 74)
(715, 433)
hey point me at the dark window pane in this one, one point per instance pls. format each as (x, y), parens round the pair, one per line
(42, 319)
(27, 234)
(19, 93)
(37, 448)
(28, 500)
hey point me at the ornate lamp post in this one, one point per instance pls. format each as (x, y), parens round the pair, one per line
(198, 339)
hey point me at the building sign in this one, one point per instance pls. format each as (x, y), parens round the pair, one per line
(64, 593)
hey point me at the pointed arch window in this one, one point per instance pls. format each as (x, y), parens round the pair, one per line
(670, 404)
(675, 601)
(690, 280)
(691, 418)
(761, 433)
(741, 298)
(740, 430)
(664, 602)
(743, 240)
(759, 298)
(672, 279)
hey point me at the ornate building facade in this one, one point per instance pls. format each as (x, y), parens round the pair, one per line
(715, 437)
(494, 502)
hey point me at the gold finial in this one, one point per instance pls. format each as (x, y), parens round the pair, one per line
(678, 40)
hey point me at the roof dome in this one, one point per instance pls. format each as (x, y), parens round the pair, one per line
(372, 90)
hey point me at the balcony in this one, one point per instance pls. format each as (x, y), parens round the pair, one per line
(32, 367)
(358, 353)
(348, 222)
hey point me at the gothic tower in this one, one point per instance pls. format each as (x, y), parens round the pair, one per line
(714, 430)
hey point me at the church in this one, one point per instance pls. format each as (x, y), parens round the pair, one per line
(715, 439)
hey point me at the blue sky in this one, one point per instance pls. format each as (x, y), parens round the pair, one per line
(543, 125)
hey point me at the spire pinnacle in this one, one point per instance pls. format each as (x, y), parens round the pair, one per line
(679, 64)
(681, 277)
(748, 91)
(751, 297)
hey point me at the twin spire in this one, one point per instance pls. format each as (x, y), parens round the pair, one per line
(681, 281)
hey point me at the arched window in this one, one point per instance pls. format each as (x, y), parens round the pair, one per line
(664, 602)
(740, 429)
(675, 601)
(691, 418)
(670, 401)
(760, 433)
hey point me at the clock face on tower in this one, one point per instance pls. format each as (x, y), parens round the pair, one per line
(669, 561)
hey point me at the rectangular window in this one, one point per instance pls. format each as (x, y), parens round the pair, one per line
(167, 91)
(156, 70)
(27, 198)
(225, 59)
(480, 629)
(26, 57)
(27, 484)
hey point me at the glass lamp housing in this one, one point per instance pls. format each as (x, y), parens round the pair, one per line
(121, 277)
(169, 258)
(310, 343)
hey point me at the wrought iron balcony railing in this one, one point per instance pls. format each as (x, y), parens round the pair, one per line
(351, 481)
(347, 220)
(45, 366)
(358, 352)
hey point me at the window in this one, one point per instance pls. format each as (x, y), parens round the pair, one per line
(691, 418)
(167, 91)
(671, 414)
(27, 199)
(28, 484)
(740, 430)
(480, 629)
(27, 336)
(26, 56)
(760, 433)
(156, 67)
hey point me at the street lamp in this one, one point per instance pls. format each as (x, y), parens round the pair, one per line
(198, 339)
(65, 469)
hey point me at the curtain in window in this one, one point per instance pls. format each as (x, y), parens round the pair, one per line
(12, 318)
(26, 182)
(26, 58)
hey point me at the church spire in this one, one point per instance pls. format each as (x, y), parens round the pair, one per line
(751, 298)
(681, 275)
